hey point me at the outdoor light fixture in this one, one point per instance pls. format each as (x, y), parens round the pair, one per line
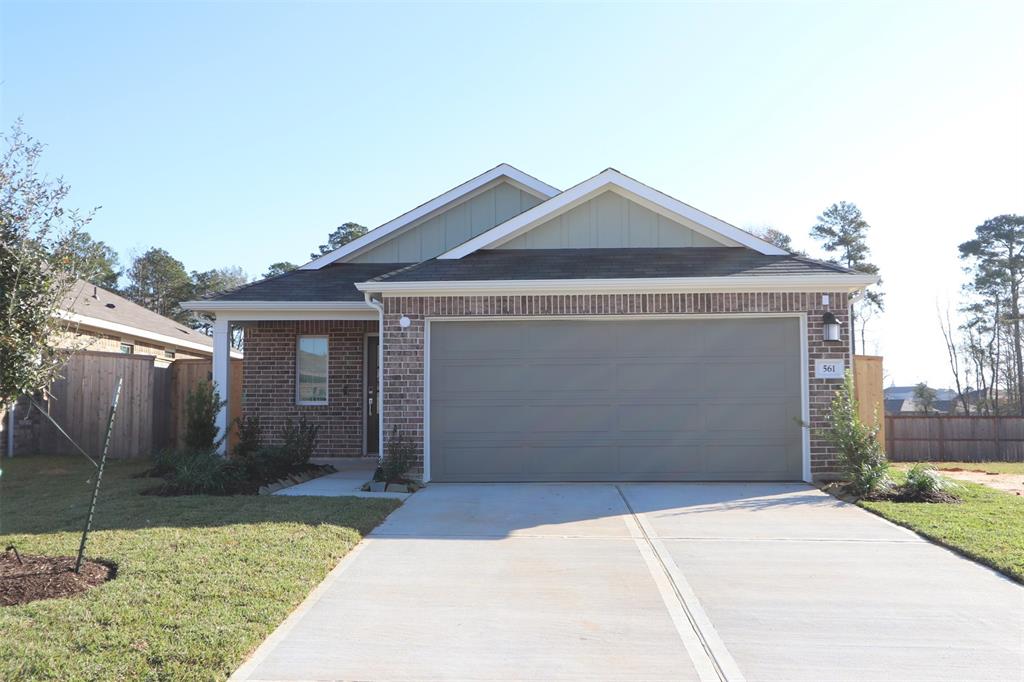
(404, 322)
(831, 327)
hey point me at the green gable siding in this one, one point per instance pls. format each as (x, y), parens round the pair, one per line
(609, 220)
(451, 228)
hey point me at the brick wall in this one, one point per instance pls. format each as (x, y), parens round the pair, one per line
(268, 381)
(403, 348)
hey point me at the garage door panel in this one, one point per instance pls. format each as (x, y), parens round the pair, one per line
(643, 460)
(458, 378)
(660, 417)
(572, 461)
(679, 399)
(561, 418)
(762, 417)
(578, 375)
(666, 377)
(453, 419)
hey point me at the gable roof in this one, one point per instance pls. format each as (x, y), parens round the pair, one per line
(94, 306)
(500, 172)
(612, 180)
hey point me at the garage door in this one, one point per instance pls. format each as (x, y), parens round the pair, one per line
(600, 400)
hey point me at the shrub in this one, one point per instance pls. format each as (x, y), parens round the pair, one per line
(399, 457)
(201, 473)
(201, 407)
(860, 454)
(250, 435)
(300, 439)
(924, 484)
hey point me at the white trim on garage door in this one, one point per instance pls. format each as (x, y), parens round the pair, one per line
(804, 368)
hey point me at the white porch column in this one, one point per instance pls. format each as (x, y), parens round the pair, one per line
(221, 367)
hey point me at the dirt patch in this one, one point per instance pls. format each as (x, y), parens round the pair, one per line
(48, 577)
(1010, 483)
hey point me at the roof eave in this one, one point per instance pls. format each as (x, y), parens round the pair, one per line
(778, 283)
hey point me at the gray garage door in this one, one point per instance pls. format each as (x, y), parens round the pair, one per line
(632, 400)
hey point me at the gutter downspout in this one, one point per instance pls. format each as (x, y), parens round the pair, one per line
(379, 306)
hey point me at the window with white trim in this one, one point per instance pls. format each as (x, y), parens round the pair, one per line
(311, 370)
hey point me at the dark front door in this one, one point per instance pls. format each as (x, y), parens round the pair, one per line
(372, 402)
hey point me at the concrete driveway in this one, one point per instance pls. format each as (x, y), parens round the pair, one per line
(647, 582)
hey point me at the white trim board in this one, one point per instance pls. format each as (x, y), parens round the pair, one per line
(254, 311)
(805, 393)
(758, 284)
(463, 192)
(613, 180)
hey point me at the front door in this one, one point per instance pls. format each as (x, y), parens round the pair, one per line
(372, 408)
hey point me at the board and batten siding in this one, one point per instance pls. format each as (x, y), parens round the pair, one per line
(608, 220)
(447, 230)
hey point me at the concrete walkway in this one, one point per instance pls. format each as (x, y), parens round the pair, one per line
(647, 582)
(346, 482)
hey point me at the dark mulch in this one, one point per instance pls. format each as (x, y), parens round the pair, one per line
(901, 495)
(48, 577)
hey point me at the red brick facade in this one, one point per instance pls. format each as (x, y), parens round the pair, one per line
(404, 347)
(268, 381)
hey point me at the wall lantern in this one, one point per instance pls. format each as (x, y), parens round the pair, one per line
(831, 327)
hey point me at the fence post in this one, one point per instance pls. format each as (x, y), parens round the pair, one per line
(942, 440)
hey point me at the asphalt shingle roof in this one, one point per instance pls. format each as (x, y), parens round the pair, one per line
(520, 264)
(335, 282)
(93, 301)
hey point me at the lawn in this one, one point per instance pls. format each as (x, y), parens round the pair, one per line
(987, 526)
(990, 467)
(201, 580)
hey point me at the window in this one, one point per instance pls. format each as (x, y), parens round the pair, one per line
(127, 348)
(169, 353)
(311, 371)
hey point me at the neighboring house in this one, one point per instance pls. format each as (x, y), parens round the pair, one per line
(100, 320)
(900, 400)
(515, 332)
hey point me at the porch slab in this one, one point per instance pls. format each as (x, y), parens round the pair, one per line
(344, 483)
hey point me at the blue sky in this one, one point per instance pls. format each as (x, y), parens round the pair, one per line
(241, 134)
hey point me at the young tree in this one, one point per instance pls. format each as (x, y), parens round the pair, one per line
(96, 262)
(37, 268)
(278, 268)
(342, 235)
(925, 397)
(995, 261)
(158, 281)
(843, 231)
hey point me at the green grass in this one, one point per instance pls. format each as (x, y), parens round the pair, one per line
(991, 467)
(201, 580)
(988, 526)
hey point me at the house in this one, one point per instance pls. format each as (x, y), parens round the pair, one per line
(900, 400)
(515, 332)
(100, 320)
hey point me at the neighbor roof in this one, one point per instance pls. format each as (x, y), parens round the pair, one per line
(583, 264)
(97, 307)
(334, 282)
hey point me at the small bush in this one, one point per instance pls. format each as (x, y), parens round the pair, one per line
(864, 464)
(201, 473)
(300, 439)
(250, 435)
(924, 484)
(201, 407)
(399, 457)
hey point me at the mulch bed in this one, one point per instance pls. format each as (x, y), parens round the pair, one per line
(48, 577)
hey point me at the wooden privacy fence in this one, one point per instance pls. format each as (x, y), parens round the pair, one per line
(867, 384)
(151, 412)
(954, 438)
